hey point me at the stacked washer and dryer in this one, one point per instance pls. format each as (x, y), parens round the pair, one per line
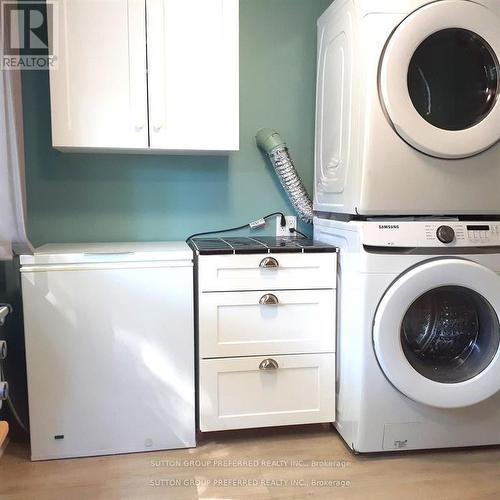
(407, 184)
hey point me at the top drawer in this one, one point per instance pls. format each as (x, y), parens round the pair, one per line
(220, 273)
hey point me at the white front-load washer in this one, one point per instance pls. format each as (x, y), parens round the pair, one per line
(408, 111)
(418, 355)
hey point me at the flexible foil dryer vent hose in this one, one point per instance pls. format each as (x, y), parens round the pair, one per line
(275, 147)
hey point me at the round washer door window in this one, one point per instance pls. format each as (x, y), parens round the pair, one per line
(437, 333)
(450, 334)
(439, 79)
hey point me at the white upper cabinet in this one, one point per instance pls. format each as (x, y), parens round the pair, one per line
(193, 74)
(99, 89)
(150, 75)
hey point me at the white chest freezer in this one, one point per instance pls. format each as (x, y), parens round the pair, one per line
(109, 348)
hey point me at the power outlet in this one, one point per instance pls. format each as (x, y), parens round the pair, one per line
(291, 223)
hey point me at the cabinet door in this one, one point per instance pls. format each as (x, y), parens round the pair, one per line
(193, 74)
(270, 322)
(239, 393)
(99, 89)
(292, 271)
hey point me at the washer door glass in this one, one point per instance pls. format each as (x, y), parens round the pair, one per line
(452, 79)
(450, 334)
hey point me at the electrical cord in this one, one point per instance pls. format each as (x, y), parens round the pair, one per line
(251, 225)
(293, 230)
(16, 415)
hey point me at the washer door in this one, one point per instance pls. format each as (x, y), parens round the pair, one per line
(437, 335)
(439, 79)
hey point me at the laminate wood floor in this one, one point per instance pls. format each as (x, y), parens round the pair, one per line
(277, 464)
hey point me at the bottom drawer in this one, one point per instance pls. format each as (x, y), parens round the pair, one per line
(238, 393)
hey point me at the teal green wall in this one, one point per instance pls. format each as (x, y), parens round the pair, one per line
(103, 197)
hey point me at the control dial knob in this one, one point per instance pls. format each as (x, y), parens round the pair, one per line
(445, 234)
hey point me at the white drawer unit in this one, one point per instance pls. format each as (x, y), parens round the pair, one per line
(266, 271)
(270, 322)
(237, 393)
(266, 332)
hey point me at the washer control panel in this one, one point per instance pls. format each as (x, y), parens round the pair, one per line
(438, 233)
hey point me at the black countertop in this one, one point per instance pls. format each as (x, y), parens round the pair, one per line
(261, 244)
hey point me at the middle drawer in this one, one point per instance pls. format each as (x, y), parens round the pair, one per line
(263, 323)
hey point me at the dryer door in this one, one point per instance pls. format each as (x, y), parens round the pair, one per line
(437, 335)
(439, 79)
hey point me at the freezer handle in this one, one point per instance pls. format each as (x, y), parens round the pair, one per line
(107, 254)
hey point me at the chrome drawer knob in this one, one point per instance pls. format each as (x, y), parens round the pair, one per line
(269, 263)
(269, 300)
(269, 364)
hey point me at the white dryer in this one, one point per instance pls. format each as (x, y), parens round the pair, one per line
(418, 355)
(408, 115)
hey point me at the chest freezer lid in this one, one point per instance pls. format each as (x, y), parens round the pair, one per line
(87, 253)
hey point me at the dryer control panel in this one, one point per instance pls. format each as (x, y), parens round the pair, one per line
(430, 233)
